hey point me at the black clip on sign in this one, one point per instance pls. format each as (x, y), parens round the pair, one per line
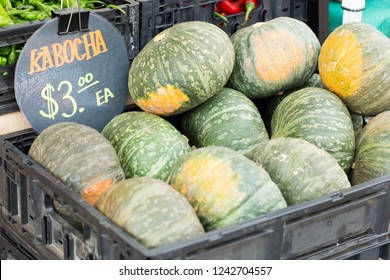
(73, 69)
(69, 23)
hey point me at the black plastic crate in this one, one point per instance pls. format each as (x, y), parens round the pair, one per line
(158, 15)
(127, 25)
(297, 9)
(348, 224)
(10, 249)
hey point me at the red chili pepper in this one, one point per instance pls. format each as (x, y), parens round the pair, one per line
(249, 6)
(229, 7)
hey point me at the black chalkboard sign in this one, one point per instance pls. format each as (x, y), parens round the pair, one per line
(77, 77)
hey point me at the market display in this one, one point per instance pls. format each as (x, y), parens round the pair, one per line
(225, 132)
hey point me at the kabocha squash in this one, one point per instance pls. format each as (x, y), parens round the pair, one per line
(268, 105)
(354, 63)
(227, 119)
(300, 169)
(181, 68)
(224, 186)
(372, 158)
(357, 122)
(319, 117)
(146, 144)
(273, 56)
(80, 157)
(151, 210)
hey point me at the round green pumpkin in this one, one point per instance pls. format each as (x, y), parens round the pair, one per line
(146, 144)
(301, 170)
(180, 68)
(273, 56)
(372, 157)
(151, 210)
(354, 63)
(227, 119)
(224, 186)
(319, 117)
(80, 157)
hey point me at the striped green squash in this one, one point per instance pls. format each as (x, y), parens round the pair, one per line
(227, 119)
(80, 157)
(146, 144)
(269, 104)
(151, 210)
(319, 117)
(372, 157)
(273, 56)
(180, 68)
(301, 170)
(224, 186)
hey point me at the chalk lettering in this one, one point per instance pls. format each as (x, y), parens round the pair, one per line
(56, 55)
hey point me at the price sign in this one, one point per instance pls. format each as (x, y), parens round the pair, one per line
(78, 77)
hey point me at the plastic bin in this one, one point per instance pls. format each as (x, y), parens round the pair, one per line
(341, 225)
(158, 15)
(297, 9)
(19, 34)
(12, 250)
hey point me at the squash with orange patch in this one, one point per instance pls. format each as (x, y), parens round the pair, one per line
(181, 68)
(225, 187)
(273, 56)
(79, 156)
(354, 63)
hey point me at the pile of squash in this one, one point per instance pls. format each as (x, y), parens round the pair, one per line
(229, 129)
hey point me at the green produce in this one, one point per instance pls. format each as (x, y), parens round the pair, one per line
(225, 187)
(180, 68)
(228, 119)
(150, 210)
(146, 144)
(269, 104)
(301, 170)
(273, 56)
(319, 117)
(372, 156)
(80, 157)
(5, 19)
(354, 63)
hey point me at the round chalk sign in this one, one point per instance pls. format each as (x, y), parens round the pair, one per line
(77, 77)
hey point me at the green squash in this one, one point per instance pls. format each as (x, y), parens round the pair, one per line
(354, 63)
(151, 210)
(180, 68)
(319, 117)
(372, 157)
(273, 56)
(80, 157)
(224, 187)
(146, 144)
(301, 170)
(227, 119)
